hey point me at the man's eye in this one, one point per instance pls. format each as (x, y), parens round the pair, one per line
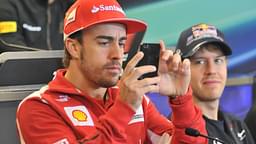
(219, 61)
(199, 61)
(122, 44)
(103, 43)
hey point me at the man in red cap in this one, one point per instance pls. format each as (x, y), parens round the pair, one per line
(84, 103)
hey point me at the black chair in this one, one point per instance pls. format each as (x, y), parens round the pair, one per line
(7, 47)
(28, 67)
(21, 73)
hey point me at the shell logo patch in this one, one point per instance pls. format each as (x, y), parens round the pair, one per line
(79, 116)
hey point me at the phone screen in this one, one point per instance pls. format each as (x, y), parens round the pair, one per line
(151, 57)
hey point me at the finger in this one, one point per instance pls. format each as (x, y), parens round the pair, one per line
(145, 85)
(149, 81)
(133, 62)
(165, 139)
(186, 66)
(176, 60)
(139, 71)
(162, 46)
(166, 55)
(149, 87)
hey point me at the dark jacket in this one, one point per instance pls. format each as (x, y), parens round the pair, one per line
(250, 121)
(39, 22)
(228, 129)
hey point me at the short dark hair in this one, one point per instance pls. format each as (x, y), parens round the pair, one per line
(206, 46)
(78, 36)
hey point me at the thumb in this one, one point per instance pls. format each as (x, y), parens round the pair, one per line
(165, 139)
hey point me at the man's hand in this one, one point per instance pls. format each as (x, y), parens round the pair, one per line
(132, 89)
(174, 73)
(172, 80)
(165, 139)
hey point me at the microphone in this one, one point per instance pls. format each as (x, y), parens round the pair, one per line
(196, 133)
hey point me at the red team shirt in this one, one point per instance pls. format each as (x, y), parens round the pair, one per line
(61, 114)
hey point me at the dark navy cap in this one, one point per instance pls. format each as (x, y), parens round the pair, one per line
(192, 38)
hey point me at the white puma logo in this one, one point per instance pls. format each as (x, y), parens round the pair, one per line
(241, 135)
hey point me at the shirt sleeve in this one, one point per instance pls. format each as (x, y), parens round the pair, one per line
(157, 124)
(186, 115)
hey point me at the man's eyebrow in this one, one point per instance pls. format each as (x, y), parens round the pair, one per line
(221, 56)
(201, 57)
(123, 38)
(196, 57)
(104, 37)
(110, 38)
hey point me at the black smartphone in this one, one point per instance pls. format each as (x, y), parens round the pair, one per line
(151, 57)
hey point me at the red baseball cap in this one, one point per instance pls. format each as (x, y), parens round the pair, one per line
(85, 13)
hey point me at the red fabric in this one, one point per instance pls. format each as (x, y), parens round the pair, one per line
(187, 115)
(57, 114)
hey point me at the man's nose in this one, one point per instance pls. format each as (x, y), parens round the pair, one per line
(211, 67)
(116, 51)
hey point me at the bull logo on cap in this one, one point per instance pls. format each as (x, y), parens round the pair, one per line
(203, 30)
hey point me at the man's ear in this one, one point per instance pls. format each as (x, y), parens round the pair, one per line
(73, 47)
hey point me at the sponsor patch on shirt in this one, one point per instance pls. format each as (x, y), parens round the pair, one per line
(62, 141)
(138, 116)
(32, 28)
(62, 98)
(79, 115)
(8, 27)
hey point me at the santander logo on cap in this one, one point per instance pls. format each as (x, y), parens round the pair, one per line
(102, 8)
